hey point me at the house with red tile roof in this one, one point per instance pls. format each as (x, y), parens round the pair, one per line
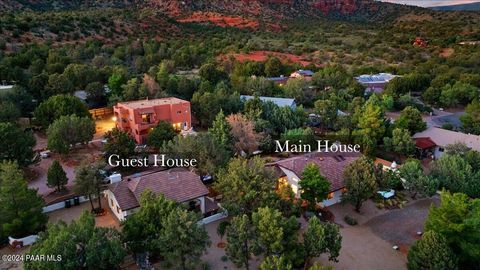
(176, 184)
(289, 171)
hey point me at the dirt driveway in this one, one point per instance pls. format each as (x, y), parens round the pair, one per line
(369, 245)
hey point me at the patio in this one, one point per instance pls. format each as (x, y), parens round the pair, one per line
(74, 212)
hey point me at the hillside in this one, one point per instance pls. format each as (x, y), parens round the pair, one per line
(462, 7)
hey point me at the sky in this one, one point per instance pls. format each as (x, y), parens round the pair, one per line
(431, 3)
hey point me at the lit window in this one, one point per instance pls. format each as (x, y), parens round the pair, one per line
(146, 118)
(118, 210)
(330, 195)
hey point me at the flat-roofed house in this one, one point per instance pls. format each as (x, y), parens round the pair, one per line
(376, 82)
(289, 172)
(176, 184)
(139, 117)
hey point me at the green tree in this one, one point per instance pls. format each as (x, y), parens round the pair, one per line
(314, 185)
(210, 72)
(275, 263)
(161, 134)
(458, 220)
(273, 67)
(67, 131)
(89, 182)
(183, 239)
(56, 176)
(360, 181)
(327, 111)
(411, 120)
(57, 106)
(119, 143)
(211, 156)
(96, 93)
(321, 238)
(16, 144)
(471, 118)
(10, 112)
(141, 229)
(415, 180)
(239, 237)
(118, 78)
(402, 142)
(451, 171)
(80, 244)
(371, 126)
(21, 208)
(268, 224)
(245, 184)
(431, 252)
(221, 130)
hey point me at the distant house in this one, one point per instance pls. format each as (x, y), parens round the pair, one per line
(180, 185)
(289, 172)
(280, 102)
(139, 117)
(301, 73)
(278, 80)
(432, 142)
(375, 83)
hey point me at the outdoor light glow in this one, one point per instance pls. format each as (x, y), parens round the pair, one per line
(114, 119)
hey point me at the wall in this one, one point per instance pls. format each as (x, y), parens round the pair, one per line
(337, 197)
(110, 197)
(60, 205)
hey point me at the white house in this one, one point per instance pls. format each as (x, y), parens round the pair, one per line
(176, 184)
(434, 140)
(289, 171)
(280, 102)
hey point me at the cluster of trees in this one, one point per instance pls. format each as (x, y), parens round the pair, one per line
(449, 243)
(260, 225)
(78, 245)
(165, 228)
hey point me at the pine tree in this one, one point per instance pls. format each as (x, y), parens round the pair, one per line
(431, 252)
(56, 177)
(21, 208)
(182, 239)
(360, 182)
(239, 237)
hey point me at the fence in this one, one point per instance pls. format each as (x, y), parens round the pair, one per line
(214, 218)
(60, 205)
(21, 242)
(101, 112)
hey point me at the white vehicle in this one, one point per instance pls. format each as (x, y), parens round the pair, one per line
(45, 154)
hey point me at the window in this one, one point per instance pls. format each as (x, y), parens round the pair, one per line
(179, 112)
(146, 118)
(440, 149)
(330, 195)
(111, 201)
(118, 210)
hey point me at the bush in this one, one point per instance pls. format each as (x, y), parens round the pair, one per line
(447, 126)
(350, 220)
